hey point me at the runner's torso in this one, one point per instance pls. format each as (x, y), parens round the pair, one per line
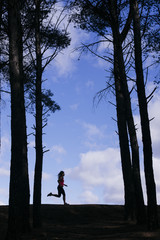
(61, 181)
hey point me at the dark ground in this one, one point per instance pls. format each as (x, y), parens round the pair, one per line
(87, 222)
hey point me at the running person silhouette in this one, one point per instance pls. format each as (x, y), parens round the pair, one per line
(60, 188)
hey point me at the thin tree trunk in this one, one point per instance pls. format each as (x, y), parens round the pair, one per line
(18, 220)
(146, 136)
(122, 126)
(124, 148)
(39, 149)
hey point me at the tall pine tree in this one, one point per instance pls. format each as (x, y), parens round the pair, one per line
(104, 18)
(18, 219)
(45, 35)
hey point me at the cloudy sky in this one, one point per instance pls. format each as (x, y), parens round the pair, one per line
(82, 137)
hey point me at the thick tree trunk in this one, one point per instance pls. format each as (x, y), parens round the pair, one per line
(146, 136)
(139, 200)
(18, 220)
(120, 68)
(39, 148)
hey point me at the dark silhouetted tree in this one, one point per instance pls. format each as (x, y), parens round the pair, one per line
(136, 201)
(46, 36)
(145, 124)
(18, 219)
(104, 18)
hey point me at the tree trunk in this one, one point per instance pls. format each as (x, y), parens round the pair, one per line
(122, 128)
(39, 148)
(146, 136)
(138, 193)
(120, 68)
(18, 220)
(139, 200)
(124, 148)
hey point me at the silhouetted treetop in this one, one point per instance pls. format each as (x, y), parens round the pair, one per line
(95, 15)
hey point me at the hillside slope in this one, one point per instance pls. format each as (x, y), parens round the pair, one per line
(88, 222)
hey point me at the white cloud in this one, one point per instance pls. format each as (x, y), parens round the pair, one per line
(66, 61)
(114, 197)
(100, 169)
(88, 197)
(92, 131)
(94, 145)
(59, 149)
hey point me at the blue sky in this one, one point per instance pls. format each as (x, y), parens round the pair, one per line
(81, 137)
